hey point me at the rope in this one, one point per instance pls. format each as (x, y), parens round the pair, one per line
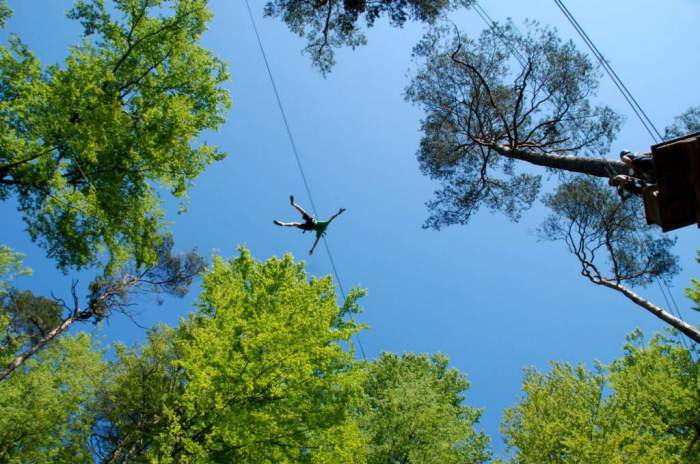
(300, 166)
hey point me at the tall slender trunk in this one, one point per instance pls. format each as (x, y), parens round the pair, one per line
(29, 352)
(670, 319)
(592, 166)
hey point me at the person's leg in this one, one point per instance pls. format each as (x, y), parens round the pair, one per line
(304, 214)
(286, 224)
(311, 251)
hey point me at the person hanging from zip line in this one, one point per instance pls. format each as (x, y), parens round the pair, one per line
(310, 223)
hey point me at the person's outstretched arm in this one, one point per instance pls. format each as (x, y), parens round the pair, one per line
(340, 211)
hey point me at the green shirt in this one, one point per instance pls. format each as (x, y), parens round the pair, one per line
(320, 227)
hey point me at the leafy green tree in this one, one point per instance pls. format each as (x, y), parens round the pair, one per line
(257, 374)
(28, 318)
(28, 323)
(263, 371)
(11, 266)
(693, 292)
(415, 413)
(45, 405)
(133, 407)
(330, 24)
(86, 146)
(643, 408)
(5, 12)
(260, 374)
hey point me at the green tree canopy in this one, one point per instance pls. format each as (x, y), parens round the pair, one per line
(263, 371)
(46, 405)
(643, 408)
(11, 266)
(330, 24)
(257, 374)
(88, 145)
(28, 318)
(414, 413)
(693, 292)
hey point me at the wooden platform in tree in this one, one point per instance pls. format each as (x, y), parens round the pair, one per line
(675, 201)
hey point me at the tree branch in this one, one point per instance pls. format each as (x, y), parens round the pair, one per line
(679, 324)
(31, 351)
(584, 165)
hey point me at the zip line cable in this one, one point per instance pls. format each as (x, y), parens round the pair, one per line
(634, 104)
(282, 112)
(641, 114)
(300, 166)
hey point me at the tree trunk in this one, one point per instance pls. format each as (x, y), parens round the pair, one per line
(670, 319)
(597, 167)
(19, 360)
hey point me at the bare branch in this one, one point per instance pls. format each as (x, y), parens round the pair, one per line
(678, 324)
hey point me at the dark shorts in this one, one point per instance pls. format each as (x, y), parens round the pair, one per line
(307, 226)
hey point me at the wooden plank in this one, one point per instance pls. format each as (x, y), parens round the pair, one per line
(678, 193)
(694, 176)
(692, 135)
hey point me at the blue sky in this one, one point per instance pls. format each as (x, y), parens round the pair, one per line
(489, 294)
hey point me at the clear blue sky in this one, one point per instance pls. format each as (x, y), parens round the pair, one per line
(490, 295)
